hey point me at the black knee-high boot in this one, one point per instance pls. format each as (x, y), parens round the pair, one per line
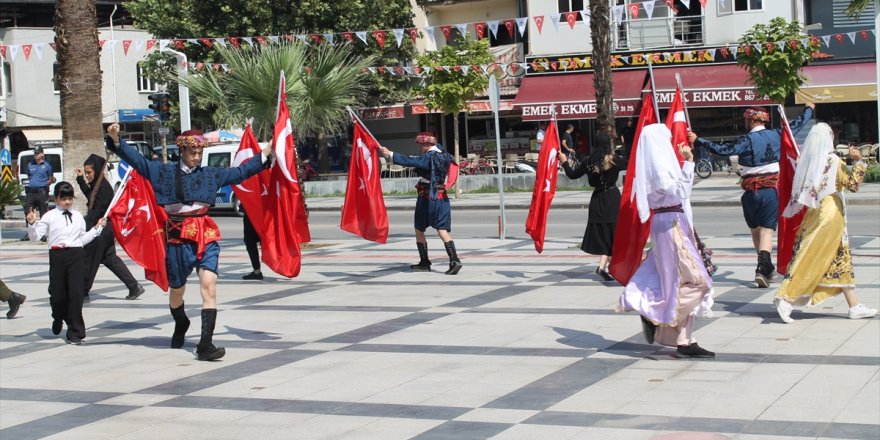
(454, 262)
(765, 269)
(206, 351)
(181, 325)
(424, 264)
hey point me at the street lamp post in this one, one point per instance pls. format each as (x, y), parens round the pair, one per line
(182, 90)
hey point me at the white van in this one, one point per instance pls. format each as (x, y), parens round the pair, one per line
(222, 155)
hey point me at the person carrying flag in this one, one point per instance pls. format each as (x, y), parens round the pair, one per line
(758, 153)
(186, 190)
(432, 205)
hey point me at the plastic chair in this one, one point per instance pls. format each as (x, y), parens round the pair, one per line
(394, 169)
(510, 161)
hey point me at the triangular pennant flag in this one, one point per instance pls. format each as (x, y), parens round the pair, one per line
(712, 53)
(585, 15)
(447, 32)
(398, 35)
(261, 40)
(225, 67)
(274, 39)
(625, 59)
(480, 29)
(571, 19)
(523, 66)
(380, 69)
(200, 67)
(493, 27)
(413, 34)
(618, 12)
(429, 32)
(485, 69)
(539, 22)
(38, 48)
(26, 48)
(235, 42)
(634, 10)
(555, 19)
(509, 25)
(839, 38)
(125, 45)
(52, 45)
(733, 52)
(349, 36)
(305, 38)
(465, 69)
(827, 40)
(163, 44)
(864, 35)
(372, 70)
(408, 70)
(193, 41)
(757, 47)
(703, 3)
(380, 38)
(362, 35)
(462, 29)
(521, 24)
(101, 43)
(399, 70)
(852, 37)
(13, 51)
(3, 51)
(179, 44)
(111, 44)
(220, 42)
(316, 38)
(207, 42)
(781, 45)
(649, 8)
(687, 3)
(248, 40)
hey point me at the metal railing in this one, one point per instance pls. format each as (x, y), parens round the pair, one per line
(658, 32)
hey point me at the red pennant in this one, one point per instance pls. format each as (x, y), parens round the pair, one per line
(770, 47)
(125, 45)
(53, 46)
(316, 38)
(348, 36)
(747, 50)
(3, 51)
(634, 10)
(417, 70)
(216, 67)
(703, 3)
(200, 66)
(399, 70)
(260, 39)
(839, 38)
(554, 65)
(456, 68)
(793, 44)
(571, 18)
(26, 48)
(447, 31)
(510, 25)
(481, 30)
(864, 35)
(234, 41)
(814, 41)
(539, 22)
(180, 44)
(381, 70)
(150, 44)
(724, 52)
(101, 43)
(670, 4)
(207, 42)
(380, 38)
(413, 33)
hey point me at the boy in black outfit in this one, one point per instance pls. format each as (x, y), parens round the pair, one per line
(66, 233)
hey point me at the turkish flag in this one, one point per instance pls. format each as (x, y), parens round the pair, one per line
(676, 121)
(788, 227)
(139, 225)
(630, 234)
(545, 187)
(363, 211)
(284, 225)
(252, 192)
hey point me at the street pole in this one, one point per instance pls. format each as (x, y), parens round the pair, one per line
(494, 98)
(182, 90)
(113, 68)
(877, 57)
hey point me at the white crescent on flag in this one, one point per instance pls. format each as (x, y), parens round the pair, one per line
(240, 158)
(367, 156)
(281, 150)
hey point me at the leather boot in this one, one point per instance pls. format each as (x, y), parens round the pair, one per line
(454, 262)
(764, 271)
(424, 264)
(181, 325)
(15, 301)
(206, 351)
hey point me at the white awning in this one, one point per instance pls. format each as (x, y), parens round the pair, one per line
(42, 135)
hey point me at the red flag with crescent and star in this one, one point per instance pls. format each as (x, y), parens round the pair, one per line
(252, 192)
(788, 227)
(364, 212)
(545, 186)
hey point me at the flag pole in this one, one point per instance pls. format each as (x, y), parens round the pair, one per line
(118, 192)
(687, 116)
(364, 126)
(653, 87)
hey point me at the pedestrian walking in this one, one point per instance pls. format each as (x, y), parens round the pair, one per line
(821, 266)
(65, 229)
(602, 169)
(671, 286)
(102, 250)
(186, 190)
(432, 203)
(758, 153)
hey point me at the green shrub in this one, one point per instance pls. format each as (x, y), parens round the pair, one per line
(873, 174)
(10, 194)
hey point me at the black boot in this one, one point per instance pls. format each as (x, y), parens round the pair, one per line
(454, 262)
(181, 325)
(15, 301)
(765, 269)
(206, 351)
(694, 351)
(424, 263)
(648, 329)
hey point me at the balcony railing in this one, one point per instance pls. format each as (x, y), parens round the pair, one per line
(641, 34)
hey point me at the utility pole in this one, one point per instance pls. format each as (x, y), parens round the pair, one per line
(182, 90)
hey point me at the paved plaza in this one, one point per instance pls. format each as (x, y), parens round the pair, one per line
(517, 346)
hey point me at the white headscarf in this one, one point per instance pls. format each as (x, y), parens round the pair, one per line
(657, 166)
(816, 175)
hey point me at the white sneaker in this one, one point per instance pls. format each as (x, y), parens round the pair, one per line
(860, 311)
(784, 308)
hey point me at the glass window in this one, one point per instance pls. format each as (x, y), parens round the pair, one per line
(220, 160)
(7, 78)
(144, 84)
(748, 5)
(571, 6)
(55, 85)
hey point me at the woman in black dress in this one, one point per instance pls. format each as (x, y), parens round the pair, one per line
(602, 168)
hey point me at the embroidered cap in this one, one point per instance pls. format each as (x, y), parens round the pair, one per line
(426, 137)
(756, 114)
(191, 138)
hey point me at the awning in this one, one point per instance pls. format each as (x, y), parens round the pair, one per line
(704, 86)
(854, 82)
(37, 136)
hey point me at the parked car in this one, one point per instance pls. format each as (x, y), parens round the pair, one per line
(172, 150)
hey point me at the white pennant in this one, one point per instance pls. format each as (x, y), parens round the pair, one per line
(485, 69)
(362, 35)
(852, 37)
(712, 52)
(625, 59)
(524, 66)
(781, 46)
(225, 67)
(493, 27)
(554, 18)
(274, 39)
(249, 40)
(408, 70)
(649, 8)
(398, 35)
(465, 69)
(372, 70)
(805, 42)
(618, 12)
(38, 48)
(757, 47)
(330, 37)
(733, 50)
(139, 44)
(585, 15)
(220, 42)
(521, 23)
(687, 3)
(13, 51)
(193, 41)
(390, 71)
(429, 32)
(163, 44)
(462, 27)
(305, 38)
(827, 40)
(110, 44)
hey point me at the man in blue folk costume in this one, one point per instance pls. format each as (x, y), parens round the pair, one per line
(432, 204)
(186, 190)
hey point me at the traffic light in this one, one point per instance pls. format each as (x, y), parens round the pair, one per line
(160, 105)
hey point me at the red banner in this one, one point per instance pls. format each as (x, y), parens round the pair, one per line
(363, 212)
(545, 187)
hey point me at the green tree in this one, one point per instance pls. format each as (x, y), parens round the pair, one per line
(776, 72)
(78, 77)
(856, 7)
(449, 90)
(321, 81)
(600, 34)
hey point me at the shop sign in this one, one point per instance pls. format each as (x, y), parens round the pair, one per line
(629, 60)
(473, 107)
(379, 113)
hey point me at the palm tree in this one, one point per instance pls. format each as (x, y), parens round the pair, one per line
(856, 7)
(79, 82)
(321, 81)
(600, 34)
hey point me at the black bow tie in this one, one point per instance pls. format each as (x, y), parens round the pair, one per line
(69, 216)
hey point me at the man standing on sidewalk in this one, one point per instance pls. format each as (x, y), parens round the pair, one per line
(758, 153)
(40, 176)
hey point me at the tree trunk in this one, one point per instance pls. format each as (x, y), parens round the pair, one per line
(323, 155)
(457, 155)
(79, 80)
(600, 34)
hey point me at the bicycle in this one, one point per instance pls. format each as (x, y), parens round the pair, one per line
(705, 166)
(475, 167)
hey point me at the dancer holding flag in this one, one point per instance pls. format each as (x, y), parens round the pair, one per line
(363, 212)
(186, 190)
(671, 286)
(432, 204)
(758, 153)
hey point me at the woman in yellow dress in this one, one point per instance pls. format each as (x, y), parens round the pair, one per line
(821, 266)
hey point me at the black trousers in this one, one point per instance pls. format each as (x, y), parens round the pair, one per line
(66, 268)
(37, 198)
(251, 238)
(102, 250)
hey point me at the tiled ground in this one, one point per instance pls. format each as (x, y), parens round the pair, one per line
(518, 346)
